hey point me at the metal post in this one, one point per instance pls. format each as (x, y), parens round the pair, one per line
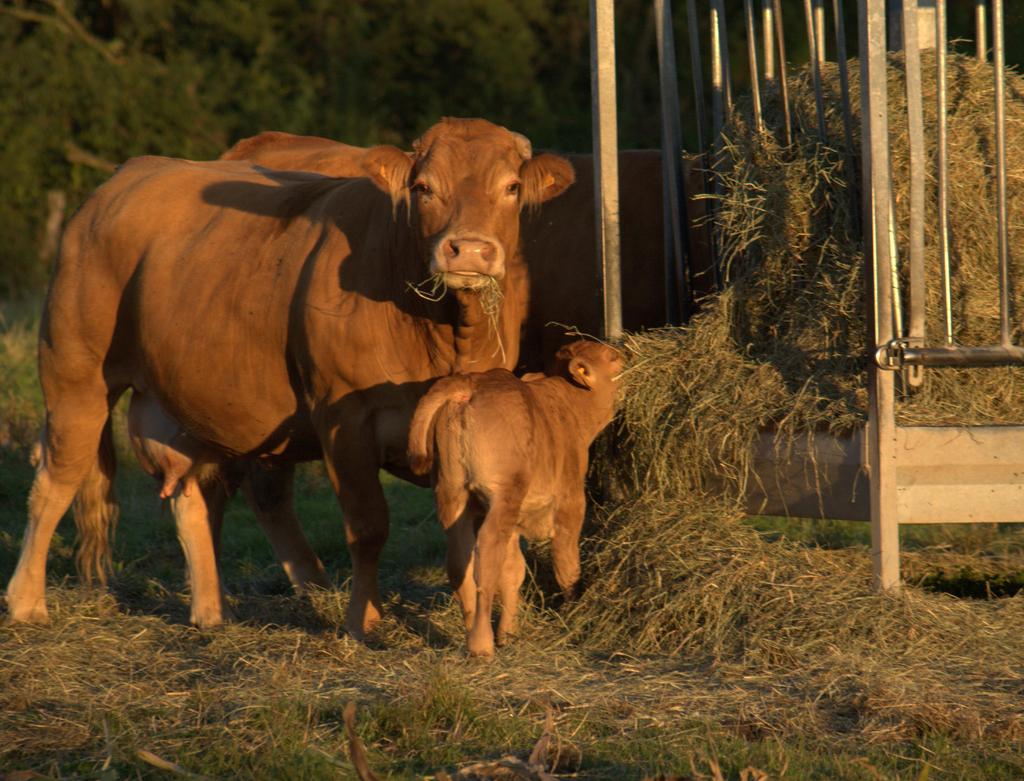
(844, 91)
(721, 40)
(755, 88)
(767, 36)
(606, 160)
(915, 127)
(877, 180)
(998, 59)
(698, 74)
(677, 299)
(940, 119)
(812, 44)
(819, 30)
(980, 24)
(780, 40)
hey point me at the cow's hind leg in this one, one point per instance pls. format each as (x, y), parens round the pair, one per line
(271, 495)
(192, 512)
(512, 577)
(71, 445)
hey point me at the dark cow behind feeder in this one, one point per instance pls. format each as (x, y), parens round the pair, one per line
(509, 458)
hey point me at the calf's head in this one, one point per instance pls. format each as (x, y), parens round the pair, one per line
(596, 367)
(465, 183)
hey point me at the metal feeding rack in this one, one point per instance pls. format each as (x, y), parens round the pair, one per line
(885, 473)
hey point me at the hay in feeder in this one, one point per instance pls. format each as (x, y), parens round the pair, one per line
(673, 570)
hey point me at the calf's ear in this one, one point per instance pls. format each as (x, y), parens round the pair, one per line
(389, 168)
(581, 373)
(543, 177)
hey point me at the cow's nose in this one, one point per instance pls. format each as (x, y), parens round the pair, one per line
(469, 250)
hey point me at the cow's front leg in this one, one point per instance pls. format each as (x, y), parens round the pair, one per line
(565, 546)
(271, 495)
(356, 481)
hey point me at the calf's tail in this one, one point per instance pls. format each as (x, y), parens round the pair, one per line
(95, 511)
(421, 431)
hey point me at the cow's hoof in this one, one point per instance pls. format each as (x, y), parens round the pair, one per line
(206, 619)
(34, 613)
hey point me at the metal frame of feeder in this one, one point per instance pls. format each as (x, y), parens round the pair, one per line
(885, 473)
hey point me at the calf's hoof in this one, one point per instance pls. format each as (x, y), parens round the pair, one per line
(504, 637)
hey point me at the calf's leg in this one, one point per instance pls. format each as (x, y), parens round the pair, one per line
(457, 518)
(512, 577)
(565, 546)
(492, 547)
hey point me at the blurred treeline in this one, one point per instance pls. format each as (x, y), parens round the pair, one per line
(85, 84)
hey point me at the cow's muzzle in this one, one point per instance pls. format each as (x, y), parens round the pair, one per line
(466, 260)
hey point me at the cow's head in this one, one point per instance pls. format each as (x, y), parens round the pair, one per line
(465, 183)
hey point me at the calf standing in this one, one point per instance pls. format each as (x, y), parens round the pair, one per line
(511, 459)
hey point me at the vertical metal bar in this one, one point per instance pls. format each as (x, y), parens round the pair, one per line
(844, 90)
(894, 272)
(780, 40)
(812, 44)
(755, 86)
(677, 296)
(980, 24)
(998, 59)
(698, 74)
(717, 78)
(915, 131)
(767, 36)
(819, 30)
(940, 119)
(722, 40)
(606, 160)
(876, 177)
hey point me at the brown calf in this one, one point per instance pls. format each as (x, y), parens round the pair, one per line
(511, 459)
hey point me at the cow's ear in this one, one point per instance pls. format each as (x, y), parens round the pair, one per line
(544, 177)
(389, 168)
(581, 373)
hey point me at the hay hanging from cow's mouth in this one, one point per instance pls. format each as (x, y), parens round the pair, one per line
(435, 287)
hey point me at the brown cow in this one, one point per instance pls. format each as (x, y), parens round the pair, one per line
(269, 315)
(511, 459)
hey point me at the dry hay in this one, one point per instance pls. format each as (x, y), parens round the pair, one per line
(675, 572)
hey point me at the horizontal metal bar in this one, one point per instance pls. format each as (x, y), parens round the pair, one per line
(898, 353)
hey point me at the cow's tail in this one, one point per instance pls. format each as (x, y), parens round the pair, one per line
(421, 431)
(96, 511)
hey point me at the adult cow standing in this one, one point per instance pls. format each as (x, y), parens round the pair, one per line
(269, 314)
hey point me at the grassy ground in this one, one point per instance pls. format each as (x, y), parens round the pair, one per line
(119, 677)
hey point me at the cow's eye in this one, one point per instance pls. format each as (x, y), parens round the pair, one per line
(421, 188)
(512, 189)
